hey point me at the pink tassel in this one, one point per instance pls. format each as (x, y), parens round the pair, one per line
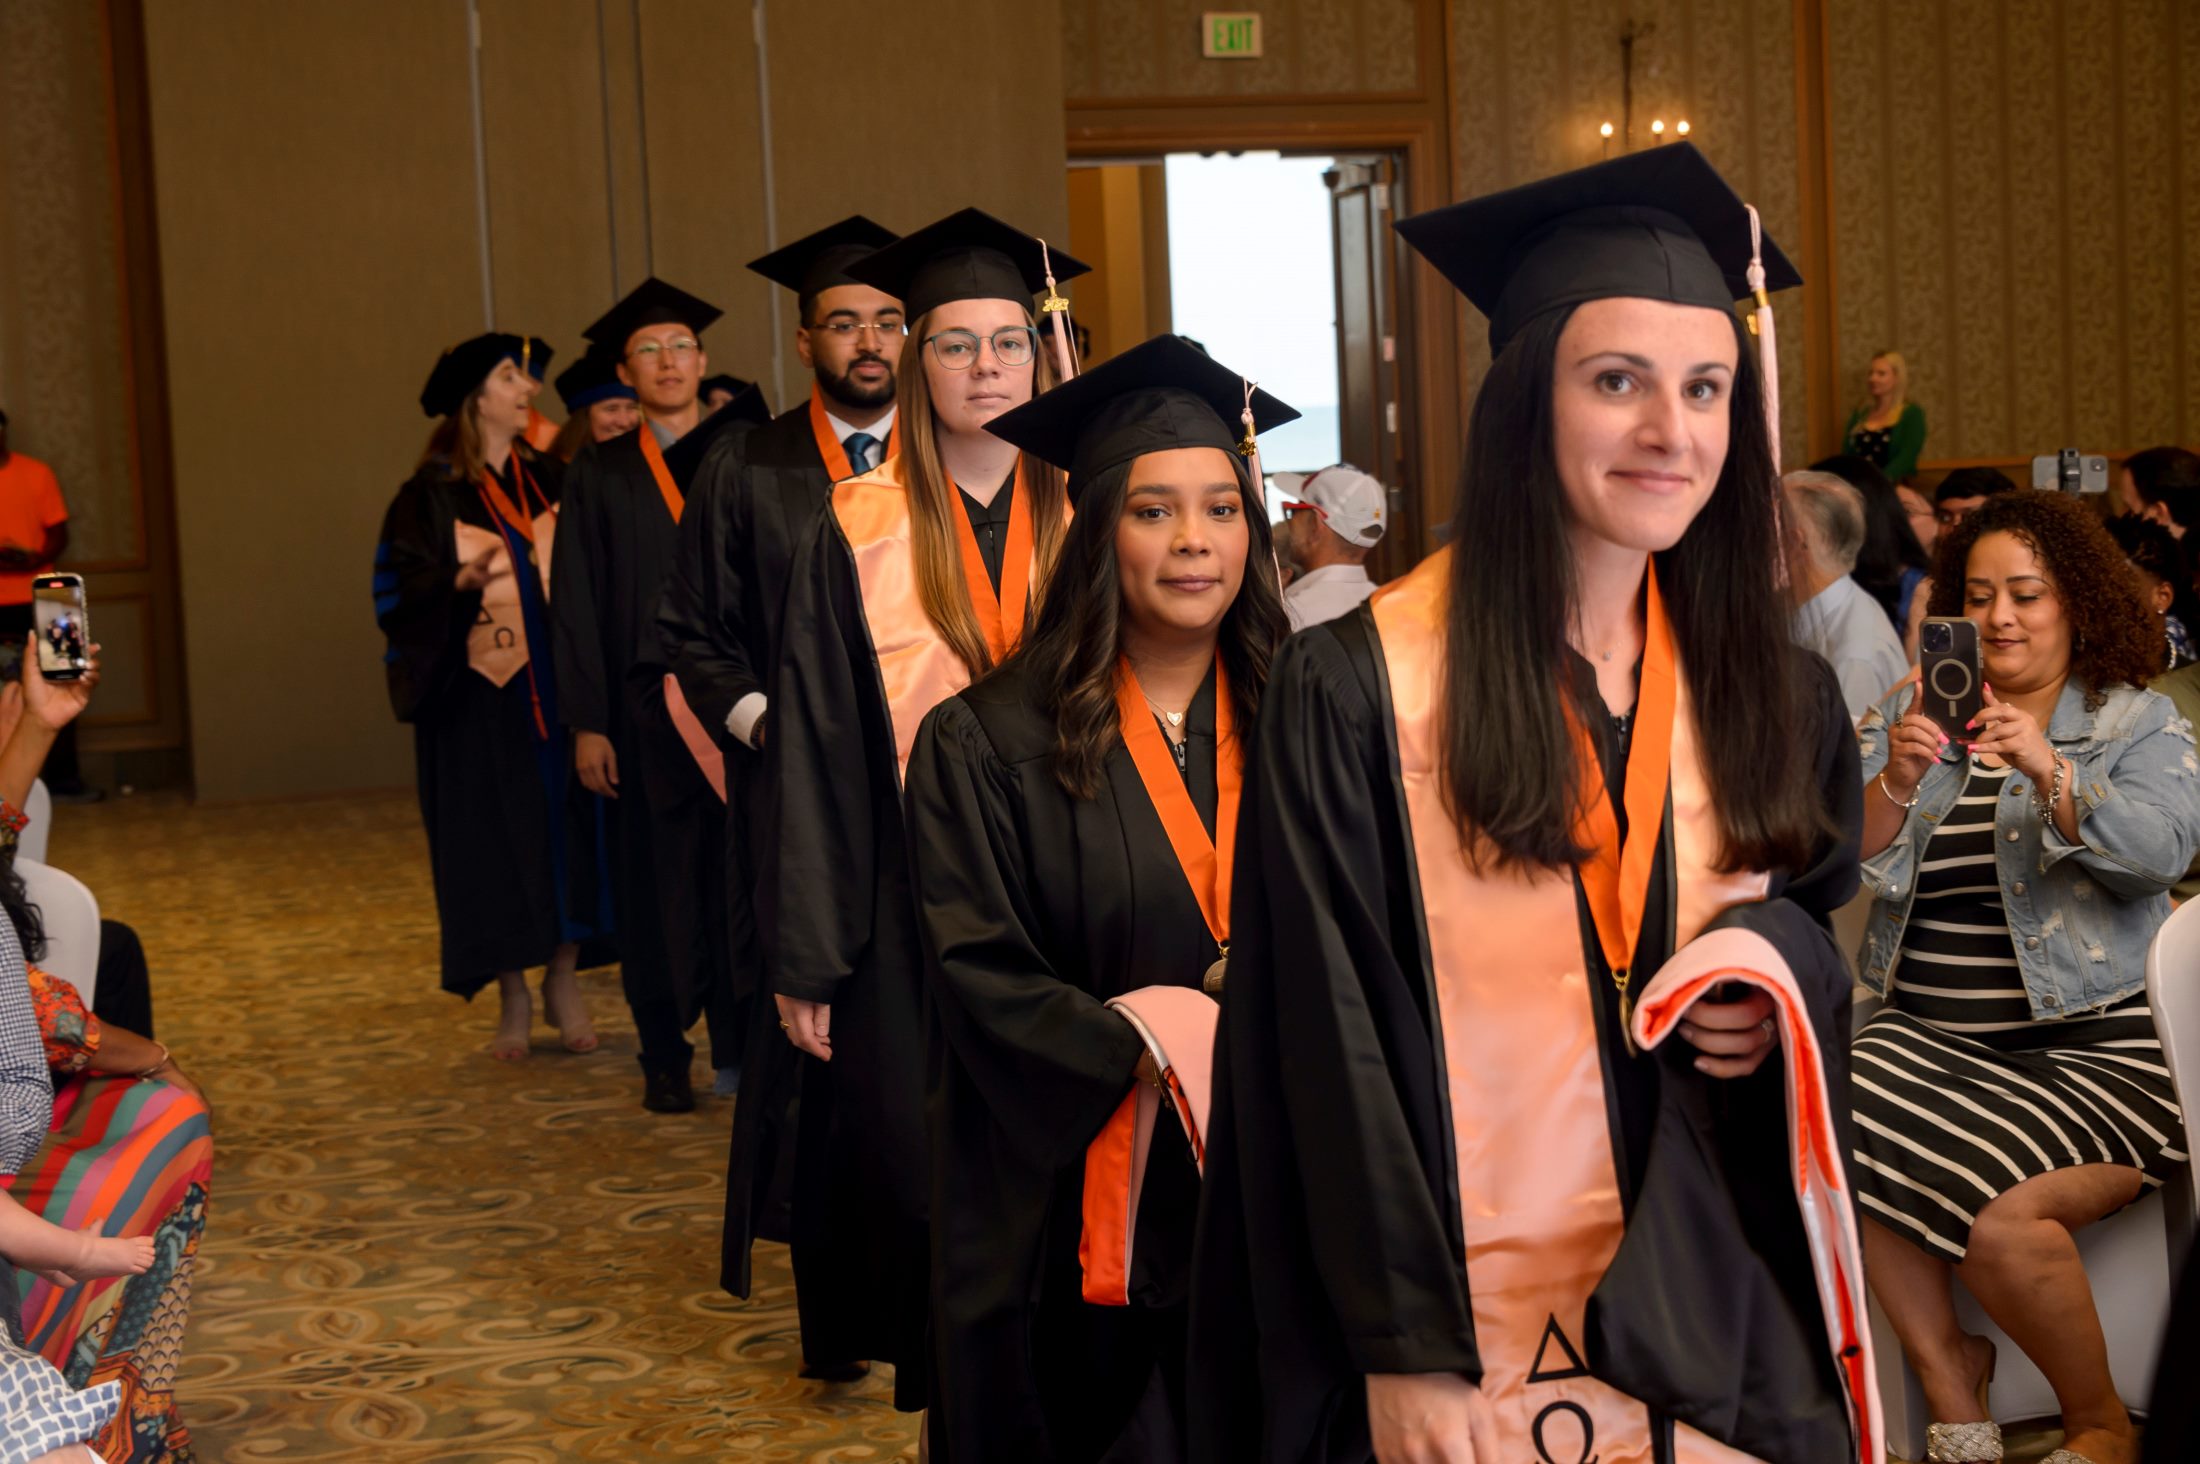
(1760, 325)
(1249, 449)
(1057, 308)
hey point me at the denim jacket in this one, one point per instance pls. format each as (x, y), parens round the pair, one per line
(2080, 915)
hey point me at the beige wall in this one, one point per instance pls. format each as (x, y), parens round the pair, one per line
(1531, 81)
(2016, 208)
(316, 196)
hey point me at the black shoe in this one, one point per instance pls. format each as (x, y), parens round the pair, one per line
(667, 1091)
(836, 1372)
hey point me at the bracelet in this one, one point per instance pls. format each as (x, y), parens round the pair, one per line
(13, 819)
(1915, 793)
(156, 1067)
(2053, 800)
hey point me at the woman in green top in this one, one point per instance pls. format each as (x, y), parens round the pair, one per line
(1889, 430)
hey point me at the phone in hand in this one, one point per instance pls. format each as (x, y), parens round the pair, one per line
(62, 626)
(1953, 677)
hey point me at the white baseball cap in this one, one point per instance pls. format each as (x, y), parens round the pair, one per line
(1350, 502)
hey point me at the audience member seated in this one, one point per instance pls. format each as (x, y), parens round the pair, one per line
(1891, 566)
(2012, 1089)
(2163, 484)
(1833, 614)
(1337, 517)
(1965, 491)
(2154, 551)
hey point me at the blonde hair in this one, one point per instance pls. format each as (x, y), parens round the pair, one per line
(1901, 379)
(934, 541)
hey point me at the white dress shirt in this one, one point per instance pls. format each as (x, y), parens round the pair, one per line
(1326, 593)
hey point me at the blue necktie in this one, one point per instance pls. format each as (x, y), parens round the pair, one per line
(858, 446)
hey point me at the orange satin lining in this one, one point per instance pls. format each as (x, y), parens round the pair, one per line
(1000, 617)
(654, 455)
(1206, 862)
(917, 668)
(830, 448)
(1618, 880)
(1103, 1248)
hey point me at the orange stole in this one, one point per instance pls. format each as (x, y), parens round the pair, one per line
(1538, 1184)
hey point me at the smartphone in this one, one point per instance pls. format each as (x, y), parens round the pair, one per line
(63, 629)
(1955, 682)
(2071, 471)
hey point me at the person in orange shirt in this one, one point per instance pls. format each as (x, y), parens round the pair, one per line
(34, 530)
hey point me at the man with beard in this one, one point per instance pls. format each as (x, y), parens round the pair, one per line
(755, 501)
(618, 526)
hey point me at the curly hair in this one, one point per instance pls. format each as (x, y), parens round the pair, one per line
(2115, 639)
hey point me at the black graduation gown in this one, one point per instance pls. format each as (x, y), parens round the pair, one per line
(1330, 1240)
(513, 840)
(1038, 907)
(615, 546)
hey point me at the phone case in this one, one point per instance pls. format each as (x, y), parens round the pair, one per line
(1954, 679)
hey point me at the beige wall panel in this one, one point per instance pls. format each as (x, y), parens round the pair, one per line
(1149, 49)
(318, 249)
(906, 143)
(2093, 181)
(2187, 313)
(1976, 244)
(549, 209)
(1863, 243)
(2148, 225)
(1916, 190)
(1531, 81)
(706, 184)
(61, 345)
(2039, 275)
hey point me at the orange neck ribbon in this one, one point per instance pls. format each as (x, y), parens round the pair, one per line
(654, 455)
(1206, 862)
(1000, 616)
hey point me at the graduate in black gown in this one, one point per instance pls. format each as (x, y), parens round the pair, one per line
(753, 501)
(598, 406)
(1071, 818)
(512, 840)
(918, 580)
(1532, 1067)
(616, 534)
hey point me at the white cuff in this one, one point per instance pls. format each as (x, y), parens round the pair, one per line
(746, 713)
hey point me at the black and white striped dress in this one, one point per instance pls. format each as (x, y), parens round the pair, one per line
(1960, 1095)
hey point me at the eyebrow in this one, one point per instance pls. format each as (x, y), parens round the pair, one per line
(1211, 488)
(1979, 579)
(1644, 363)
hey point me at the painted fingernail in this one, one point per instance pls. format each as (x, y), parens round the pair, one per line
(1703, 1065)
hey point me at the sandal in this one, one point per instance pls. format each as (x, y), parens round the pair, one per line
(1968, 1443)
(565, 1008)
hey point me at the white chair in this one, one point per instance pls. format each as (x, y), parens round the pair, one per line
(38, 808)
(2132, 1259)
(70, 914)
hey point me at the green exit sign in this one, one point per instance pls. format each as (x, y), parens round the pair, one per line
(1230, 35)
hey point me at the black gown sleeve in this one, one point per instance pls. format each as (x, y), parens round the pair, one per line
(826, 750)
(1050, 1059)
(699, 617)
(1332, 1086)
(418, 604)
(577, 603)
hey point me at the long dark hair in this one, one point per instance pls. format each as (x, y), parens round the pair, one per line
(1509, 771)
(1078, 636)
(15, 898)
(1890, 544)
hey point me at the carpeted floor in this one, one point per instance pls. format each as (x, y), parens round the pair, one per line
(417, 1253)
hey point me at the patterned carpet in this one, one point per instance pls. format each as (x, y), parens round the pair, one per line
(417, 1253)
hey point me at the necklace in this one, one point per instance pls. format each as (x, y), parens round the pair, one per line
(1174, 719)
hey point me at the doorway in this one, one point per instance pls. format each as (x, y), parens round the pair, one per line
(1281, 262)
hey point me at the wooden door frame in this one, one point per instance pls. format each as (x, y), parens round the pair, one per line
(1415, 127)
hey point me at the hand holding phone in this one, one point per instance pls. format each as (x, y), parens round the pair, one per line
(1952, 677)
(63, 630)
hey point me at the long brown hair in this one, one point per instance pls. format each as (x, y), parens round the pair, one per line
(933, 540)
(454, 448)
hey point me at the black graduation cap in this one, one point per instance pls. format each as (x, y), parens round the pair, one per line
(593, 378)
(463, 367)
(1660, 224)
(652, 302)
(748, 403)
(969, 255)
(1161, 394)
(534, 356)
(820, 261)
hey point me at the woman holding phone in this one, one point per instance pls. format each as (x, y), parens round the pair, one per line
(2012, 1089)
(459, 592)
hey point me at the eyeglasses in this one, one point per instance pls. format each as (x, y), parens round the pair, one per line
(879, 329)
(957, 350)
(648, 351)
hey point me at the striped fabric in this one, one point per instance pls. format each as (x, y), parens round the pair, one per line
(1960, 1095)
(133, 1156)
